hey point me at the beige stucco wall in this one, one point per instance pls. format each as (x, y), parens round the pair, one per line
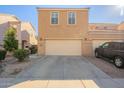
(28, 33)
(48, 31)
(102, 26)
(99, 35)
(61, 30)
(121, 26)
(3, 28)
(87, 48)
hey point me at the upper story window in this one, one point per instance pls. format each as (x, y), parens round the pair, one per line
(54, 17)
(71, 18)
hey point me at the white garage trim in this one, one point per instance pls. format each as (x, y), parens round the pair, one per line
(63, 47)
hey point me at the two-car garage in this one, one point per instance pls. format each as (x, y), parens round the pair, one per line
(63, 47)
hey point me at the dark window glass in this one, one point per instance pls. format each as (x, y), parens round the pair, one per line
(71, 18)
(54, 17)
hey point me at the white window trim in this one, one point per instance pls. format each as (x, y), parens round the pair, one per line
(51, 17)
(75, 18)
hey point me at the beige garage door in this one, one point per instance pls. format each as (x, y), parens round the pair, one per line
(63, 47)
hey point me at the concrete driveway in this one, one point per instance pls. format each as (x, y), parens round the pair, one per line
(67, 68)
(64, 68)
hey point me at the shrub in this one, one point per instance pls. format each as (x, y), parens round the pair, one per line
(10, 42)
(33, 49)
(21, 54)
(2, 54)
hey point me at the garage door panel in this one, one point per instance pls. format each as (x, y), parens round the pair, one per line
(63, 47)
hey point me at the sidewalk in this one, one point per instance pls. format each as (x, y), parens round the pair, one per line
(96, 83)
(56, 84)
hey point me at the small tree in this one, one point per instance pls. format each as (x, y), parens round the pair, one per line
(10, 42)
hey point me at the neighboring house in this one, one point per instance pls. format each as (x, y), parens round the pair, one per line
(66, 31)
(106, 27)
(100, 33)
(28, 34)
(25, 31)
(7, 21)
(102, 26)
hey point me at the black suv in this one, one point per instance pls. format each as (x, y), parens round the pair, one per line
(113, 51)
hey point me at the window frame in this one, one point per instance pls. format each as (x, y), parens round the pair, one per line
(74, 17)
(51, 17)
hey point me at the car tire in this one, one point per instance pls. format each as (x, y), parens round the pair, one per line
(97, 54)
(118, 62)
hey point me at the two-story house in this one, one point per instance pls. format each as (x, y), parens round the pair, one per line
(66, 31)
(62, 31)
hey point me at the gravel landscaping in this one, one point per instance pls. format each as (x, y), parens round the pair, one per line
(106, 66)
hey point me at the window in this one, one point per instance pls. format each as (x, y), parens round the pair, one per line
(105, 45)
(54, 17)
(71, 18)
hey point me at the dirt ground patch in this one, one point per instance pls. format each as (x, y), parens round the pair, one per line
(12, 67)
(106, 66)
(11, 70)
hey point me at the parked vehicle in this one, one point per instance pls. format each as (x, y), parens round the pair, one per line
(113, 51)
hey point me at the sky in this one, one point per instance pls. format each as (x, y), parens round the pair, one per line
(97, 13)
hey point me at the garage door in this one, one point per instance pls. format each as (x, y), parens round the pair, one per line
(63, 47)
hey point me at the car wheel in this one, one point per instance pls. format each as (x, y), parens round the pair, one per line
(119, 62)
(96, 54)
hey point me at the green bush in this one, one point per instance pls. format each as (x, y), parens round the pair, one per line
(2, 54)
(33, 49)
(10, 43)
(21, 54)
